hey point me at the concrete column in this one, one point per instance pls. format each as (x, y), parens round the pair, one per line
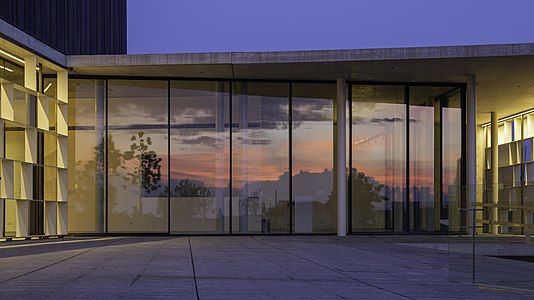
(340, 157)
(30, 72)
(494, 171)
(220, 178)
(471, 159)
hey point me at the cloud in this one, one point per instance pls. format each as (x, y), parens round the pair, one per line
(201, 140)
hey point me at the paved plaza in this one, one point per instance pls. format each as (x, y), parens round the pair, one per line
(235, 267)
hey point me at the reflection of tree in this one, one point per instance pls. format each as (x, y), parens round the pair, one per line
(89, 183)
(145, 168)
(191, 188)
(365, 194)
(191, 200)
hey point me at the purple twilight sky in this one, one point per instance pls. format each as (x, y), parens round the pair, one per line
(169, 26)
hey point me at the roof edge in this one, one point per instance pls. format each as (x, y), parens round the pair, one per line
(307, 56)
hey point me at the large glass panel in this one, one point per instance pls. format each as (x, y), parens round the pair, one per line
(200, 152)
(426, 201)
(313, 144)
(86, 155)
(260, 157)
(451, 153)
(378, 157)
(137, 149)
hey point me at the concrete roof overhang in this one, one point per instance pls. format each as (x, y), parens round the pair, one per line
(505, 73)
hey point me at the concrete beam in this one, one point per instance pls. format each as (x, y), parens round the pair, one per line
(378, 54)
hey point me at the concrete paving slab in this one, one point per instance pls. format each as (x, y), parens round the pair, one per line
(238, 267)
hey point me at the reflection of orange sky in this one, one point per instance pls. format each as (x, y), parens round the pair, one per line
(312, 151)
(313, 146)
(200, 167)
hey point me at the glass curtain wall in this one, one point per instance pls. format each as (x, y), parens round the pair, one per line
(260, 157)
(378, 157)
(137, 161)
(199, 157)
(315, 205)
(86, 146)
(217, 157)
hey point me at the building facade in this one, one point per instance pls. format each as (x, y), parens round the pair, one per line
(303, 142)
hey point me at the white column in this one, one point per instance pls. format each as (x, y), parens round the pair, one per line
(494, 171)
(340, 158)
(471, 159)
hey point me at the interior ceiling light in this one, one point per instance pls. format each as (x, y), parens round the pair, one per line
(11, 56)
(6, 68)
(15, 58)
(47, 87)
(511, 117)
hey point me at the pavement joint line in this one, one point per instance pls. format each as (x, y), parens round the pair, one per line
(193, 266)
(333, 270)
(55, 263)
(56, 242)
